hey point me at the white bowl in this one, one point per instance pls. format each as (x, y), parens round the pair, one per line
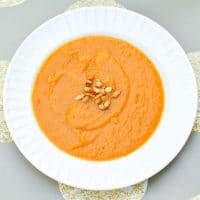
(168, 139)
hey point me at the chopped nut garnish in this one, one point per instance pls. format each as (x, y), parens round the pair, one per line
(98, 84)
(89, 82)
(101, 107)
(87, 89)
(107, 103)
(98, 95)
(89, 94)
(97, 91)
(103, 91)
(108, 89)
(85, 99)
(79, 97)
(116, 94)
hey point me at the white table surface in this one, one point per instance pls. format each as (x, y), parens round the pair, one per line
(180, 180)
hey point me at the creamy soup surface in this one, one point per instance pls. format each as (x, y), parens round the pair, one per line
(107, 126)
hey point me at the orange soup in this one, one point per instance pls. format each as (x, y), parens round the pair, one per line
(98, 98)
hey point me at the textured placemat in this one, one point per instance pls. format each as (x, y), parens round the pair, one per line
(196, 197)
(135, 192)
(10, 3)
(89, 3)
(194, 58)
(4, 133)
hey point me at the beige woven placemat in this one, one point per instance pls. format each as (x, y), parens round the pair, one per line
(4, 133)
(89, 3)
(10, 3)
(135, 192)
(196, 198)
(194, 58)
